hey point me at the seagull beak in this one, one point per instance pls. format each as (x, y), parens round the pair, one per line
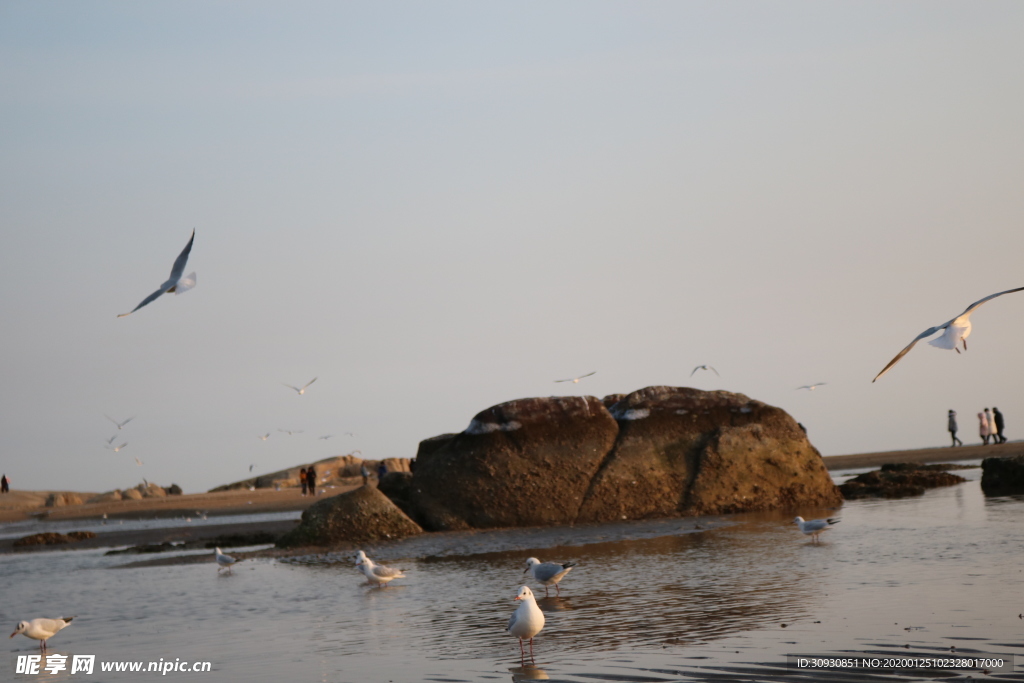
(526, 570)
(14, 634)
(515, 598)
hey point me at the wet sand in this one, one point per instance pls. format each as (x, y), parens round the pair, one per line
(923, 455)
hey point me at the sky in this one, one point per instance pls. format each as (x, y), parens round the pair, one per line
(433, 208)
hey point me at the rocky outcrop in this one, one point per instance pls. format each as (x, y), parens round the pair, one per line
(53, 538)
(397, 487)
(131, 494)
(108, 497)
(657, 452)
(61, 499)
(334, 471)
(364, 514)
(1002, 476)
(899, 480)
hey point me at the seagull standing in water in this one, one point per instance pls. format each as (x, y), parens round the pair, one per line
(954, 331)
(41, 629)
(548, 573)
(704, 367)
(526, 621)
(576, 380)
(377, 573)
(223, 561)
(303, 389)
(175, 283)
(815, 526)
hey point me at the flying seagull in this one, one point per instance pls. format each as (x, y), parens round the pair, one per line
(812, 387)
(120, 425)
(956, 330)
(326, 436)
(289, 432)
(303, 389)
(704, 367)
(110, 441)
(117, 448)
(138, 462)
(175, 283)
(576, 380)
(264, 437)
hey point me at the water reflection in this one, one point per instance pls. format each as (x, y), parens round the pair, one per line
(529, 673)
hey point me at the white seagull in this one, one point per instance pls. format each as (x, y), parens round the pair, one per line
(377, 573)
(526, 621)
(704, 367)
(223, 561)
(110, 441)
(812, 387)
(956, 330)
(264, 437)
(138, 462)
(175, 283)
(815, 526)
(117, 448)
(289, 432)
(326, 436)
(576, 380)
(548, 573)
(120, 425)
(41, 629)
(303, 389)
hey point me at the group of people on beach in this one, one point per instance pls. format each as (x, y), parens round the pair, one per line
(990, 426)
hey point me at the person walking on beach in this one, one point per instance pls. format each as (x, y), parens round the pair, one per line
(382, 469)
(366, 474)
(311, 480)
(5, 484)
(952, 429)
(303, 480)
(983, 427)
(1000, 425)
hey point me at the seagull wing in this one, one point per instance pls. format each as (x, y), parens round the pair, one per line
(547, 571)
(979, 302)
(715, 371)
(309, 382)
(694, 371)
(562, 380)
(587, 375)
(152, 297)
(385, 572)
(178, 269)
(927, 333)
(512, 620)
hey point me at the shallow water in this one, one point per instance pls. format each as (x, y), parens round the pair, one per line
(654, 602)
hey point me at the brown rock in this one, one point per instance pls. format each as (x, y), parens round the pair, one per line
(1002, 476)
(131, 494)
(521, 463)
(108, 497)
(53, 538)
(364, 514)
(899, 481)
(61, 499)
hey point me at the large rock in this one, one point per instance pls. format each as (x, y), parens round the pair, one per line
(364, 514)
(337, 470)
(521, 463)
(108, 497)
(657, 452)
(61, 499)
(900, 480)
(1002, 476)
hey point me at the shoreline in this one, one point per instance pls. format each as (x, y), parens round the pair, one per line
(922, 455)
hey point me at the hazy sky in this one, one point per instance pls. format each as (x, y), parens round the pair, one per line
(436, 207)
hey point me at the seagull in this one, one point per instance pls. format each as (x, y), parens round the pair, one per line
(956, 330)
(812, 387)
(138, 462)
(303, 389)
(120, 425)
(327, 436)
(41, 629)
(576, 380)
(548, 573)
(526, 621)
(223, 561)
(377, 573)
(117, 448)
(264, 437)
(111, 439)
(815, 526)
(250, 467)
(175, 283)
(289, 432)
(704, 367)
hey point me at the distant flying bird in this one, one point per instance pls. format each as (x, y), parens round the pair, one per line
(289, 432)
(956, 330)
(303, 389)
(120, 425)
(264, 437)
(576, 380)
(812, 387)
(117, 448)
(250, 467)
(111, 439)
(138, 462)
(175, 283)
(704, 367)
(326, 436)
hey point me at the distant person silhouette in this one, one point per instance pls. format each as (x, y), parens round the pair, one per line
(952, 429)
(366, 474)
(1000, 425)
(5, 484)
(983, 429)
(311, 480)
(302, 480)
(382, 469)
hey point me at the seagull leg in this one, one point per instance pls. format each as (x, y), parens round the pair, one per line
(558, 591)
(522, 652)
(531, 652)
(956, 349)
(964, 340)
